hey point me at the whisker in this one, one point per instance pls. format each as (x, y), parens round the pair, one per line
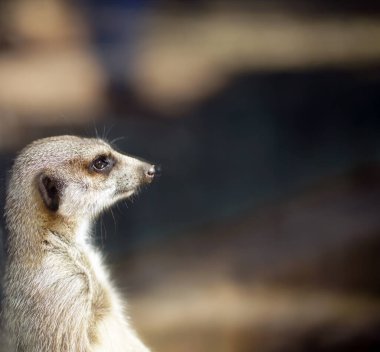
(117, 139)
(109, 130)
(114, 220)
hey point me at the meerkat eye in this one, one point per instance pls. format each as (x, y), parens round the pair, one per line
(102, 163)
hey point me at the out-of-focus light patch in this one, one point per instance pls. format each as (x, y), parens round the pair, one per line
(185, 57)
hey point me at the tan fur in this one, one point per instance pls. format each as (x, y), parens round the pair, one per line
(57, 293)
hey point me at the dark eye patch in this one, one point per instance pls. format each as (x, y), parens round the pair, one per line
(102, 164)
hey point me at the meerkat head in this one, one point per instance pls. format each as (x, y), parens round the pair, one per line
(76, 177)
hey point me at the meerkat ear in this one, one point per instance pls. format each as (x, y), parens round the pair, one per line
(49, 190)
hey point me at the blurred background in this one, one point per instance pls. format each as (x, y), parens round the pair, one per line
(264, 232)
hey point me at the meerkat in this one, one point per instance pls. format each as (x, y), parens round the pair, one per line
(58, 296)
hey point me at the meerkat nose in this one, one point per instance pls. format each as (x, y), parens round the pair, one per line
(153, 171)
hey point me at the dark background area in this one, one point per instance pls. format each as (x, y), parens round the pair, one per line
(263, 232)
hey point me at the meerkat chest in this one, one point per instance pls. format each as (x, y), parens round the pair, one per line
(101, 282)
(110, 330)
(95, 264)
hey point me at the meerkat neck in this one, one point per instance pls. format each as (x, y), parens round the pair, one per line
(27, 237)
